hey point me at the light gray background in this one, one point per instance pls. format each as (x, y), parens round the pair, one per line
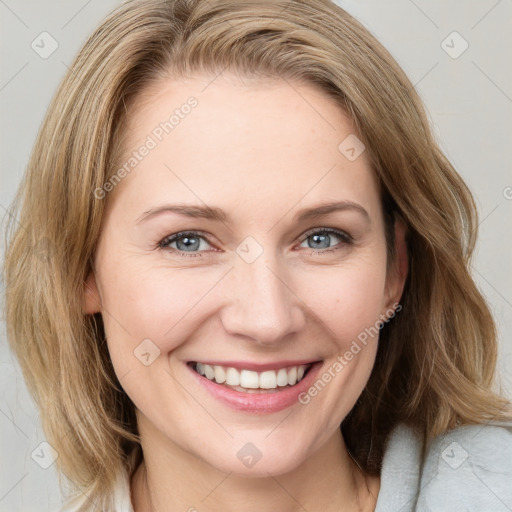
(470, 104)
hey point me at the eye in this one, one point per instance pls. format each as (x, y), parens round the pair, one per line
(186, 241)
(322, 238)
(194, 242)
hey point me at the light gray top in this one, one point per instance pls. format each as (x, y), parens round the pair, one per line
(468, 469)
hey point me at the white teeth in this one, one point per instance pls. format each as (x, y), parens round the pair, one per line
(282, 377)
(232, 377)
(269, 379)
(249, 379)
(292, 375)
(220, 374)
(209, 372)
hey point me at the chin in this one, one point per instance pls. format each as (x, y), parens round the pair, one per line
(257, 458)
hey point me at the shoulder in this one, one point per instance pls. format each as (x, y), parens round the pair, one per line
(469, 468)
(466, 469)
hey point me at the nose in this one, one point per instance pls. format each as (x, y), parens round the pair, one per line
(262, 305)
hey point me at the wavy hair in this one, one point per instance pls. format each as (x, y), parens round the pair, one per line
(436, 360)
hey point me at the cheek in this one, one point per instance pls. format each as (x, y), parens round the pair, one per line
(158, 304)
(345, 300)
(347, 303)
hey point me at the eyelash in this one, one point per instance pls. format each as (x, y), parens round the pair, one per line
(345, 237)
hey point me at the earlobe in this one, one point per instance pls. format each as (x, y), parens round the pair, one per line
(91, 295)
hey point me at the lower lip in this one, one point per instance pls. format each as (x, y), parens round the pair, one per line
(259, 403)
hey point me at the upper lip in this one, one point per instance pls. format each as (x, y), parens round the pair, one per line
(257, 367)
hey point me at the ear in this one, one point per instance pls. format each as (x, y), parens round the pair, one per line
(91, 295)
(398, 272)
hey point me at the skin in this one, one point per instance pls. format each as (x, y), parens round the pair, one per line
(261, 152)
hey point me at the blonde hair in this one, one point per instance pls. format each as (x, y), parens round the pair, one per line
(436, 359)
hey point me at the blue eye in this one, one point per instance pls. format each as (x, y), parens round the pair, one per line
(192, 243)
(186, 241)
(323, 237)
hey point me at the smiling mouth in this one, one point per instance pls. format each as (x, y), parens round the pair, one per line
(249, 381)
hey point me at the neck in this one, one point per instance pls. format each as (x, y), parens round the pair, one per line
(170, 479)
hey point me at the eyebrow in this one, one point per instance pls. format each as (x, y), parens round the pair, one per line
(219, 215)
(204, 212)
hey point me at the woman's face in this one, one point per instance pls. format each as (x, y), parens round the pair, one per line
(218, 248)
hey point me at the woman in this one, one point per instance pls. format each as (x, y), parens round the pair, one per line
(256, 292)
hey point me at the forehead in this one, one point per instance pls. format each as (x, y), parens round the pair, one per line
(242, 139)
